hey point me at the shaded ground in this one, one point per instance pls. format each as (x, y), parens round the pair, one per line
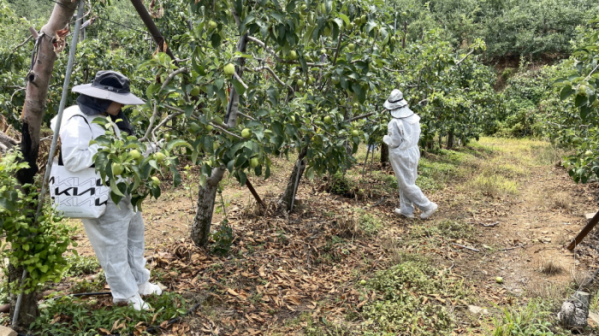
(350, 266)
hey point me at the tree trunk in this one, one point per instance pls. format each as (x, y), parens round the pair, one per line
(36, 94)
(450, 140)
(384, 153)
(200, 231)
(293, 182)
(29, 310)
(38, 80)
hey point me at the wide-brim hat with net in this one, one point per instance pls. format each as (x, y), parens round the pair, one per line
(397, 105)
(110, 85)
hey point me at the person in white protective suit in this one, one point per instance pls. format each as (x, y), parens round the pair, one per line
(118, 235)
(403, 135)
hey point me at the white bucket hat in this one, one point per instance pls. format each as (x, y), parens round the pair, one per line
(397, 105)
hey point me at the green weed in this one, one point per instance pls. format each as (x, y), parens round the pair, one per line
(79, 265)
(369, 223)
(408, 300)
(455, 229)
(531, 320)
(74, 316)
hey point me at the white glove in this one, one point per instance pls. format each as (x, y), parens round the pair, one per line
(387, 140)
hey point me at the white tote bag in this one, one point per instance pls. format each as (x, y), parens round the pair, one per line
(78, 195)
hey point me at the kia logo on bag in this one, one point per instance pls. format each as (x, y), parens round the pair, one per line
(68, 191)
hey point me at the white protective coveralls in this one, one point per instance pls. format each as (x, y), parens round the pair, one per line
(404, 154)
(118, 235)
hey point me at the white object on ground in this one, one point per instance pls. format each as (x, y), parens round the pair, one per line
(149, 288)
(398, 211)
(430, 211)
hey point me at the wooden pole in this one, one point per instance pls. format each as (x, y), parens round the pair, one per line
(584, 232)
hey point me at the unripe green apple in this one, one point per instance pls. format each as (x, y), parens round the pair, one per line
(292, 55)
(229, 69)
(351, 47)
(300, 83)
(159, 157)
(209, 128)
(355, 133)
(254, 163)
(328, 120)
(155, 181)
(246, 133)
(212, 24)
(135, 155)
(117, 169)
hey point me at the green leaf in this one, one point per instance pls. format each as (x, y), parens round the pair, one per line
(566, 92)
(115, 189)
(177, 143)
(239, 88)
(344, 18)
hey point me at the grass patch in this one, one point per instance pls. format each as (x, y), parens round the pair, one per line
(530, 320)
(369, 223)
(494, 185)
(73, 316)
(410, 300)
(80, 265)
(455, 229)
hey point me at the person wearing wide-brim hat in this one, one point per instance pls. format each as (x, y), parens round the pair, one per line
(403, 135)
(118, 235)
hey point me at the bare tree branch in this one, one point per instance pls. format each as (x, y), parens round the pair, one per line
(240, 80)
(361, 116)
(152, 120)
(266, 67)
(589, 75)
(22, 44)
(246, 116)
(171, 76)
(222, 128)
(463, 59)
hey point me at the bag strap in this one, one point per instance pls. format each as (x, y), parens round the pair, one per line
(60, 162)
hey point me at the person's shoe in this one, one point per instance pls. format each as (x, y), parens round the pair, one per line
(138, 303)
(430, 211)
(398, 211)
(149, 288)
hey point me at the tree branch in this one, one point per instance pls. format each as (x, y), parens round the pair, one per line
(171, 76)
(240, 80)
(224, 130)
(152, 120)
(22, 44)
(361, 116)
(266, 67)
(246, 116)
(463, 59)
(589, 75)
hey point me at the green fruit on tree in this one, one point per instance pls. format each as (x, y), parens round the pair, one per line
(229, 69)
(254, 163)
(310, 80)
(117, 169)
(216, 145)
(323, 8)
(300, 83)
(155, 181)
(404, 13)
(350, 26)
(363, 35)
(328, 120)
(384, 54)
(363, 19)
(212, 24)
(303, 7)
(335, 80)
(195, 91)
(323, 51)
(499, 280)
(159, 157)
(218, 120)
(209, 128)
(246, 133)
(356, 105)
(588, 153)
(135, 155)
(355, 133)
(194, 127)
(327, 31)
(292, 55)
(351, 47)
